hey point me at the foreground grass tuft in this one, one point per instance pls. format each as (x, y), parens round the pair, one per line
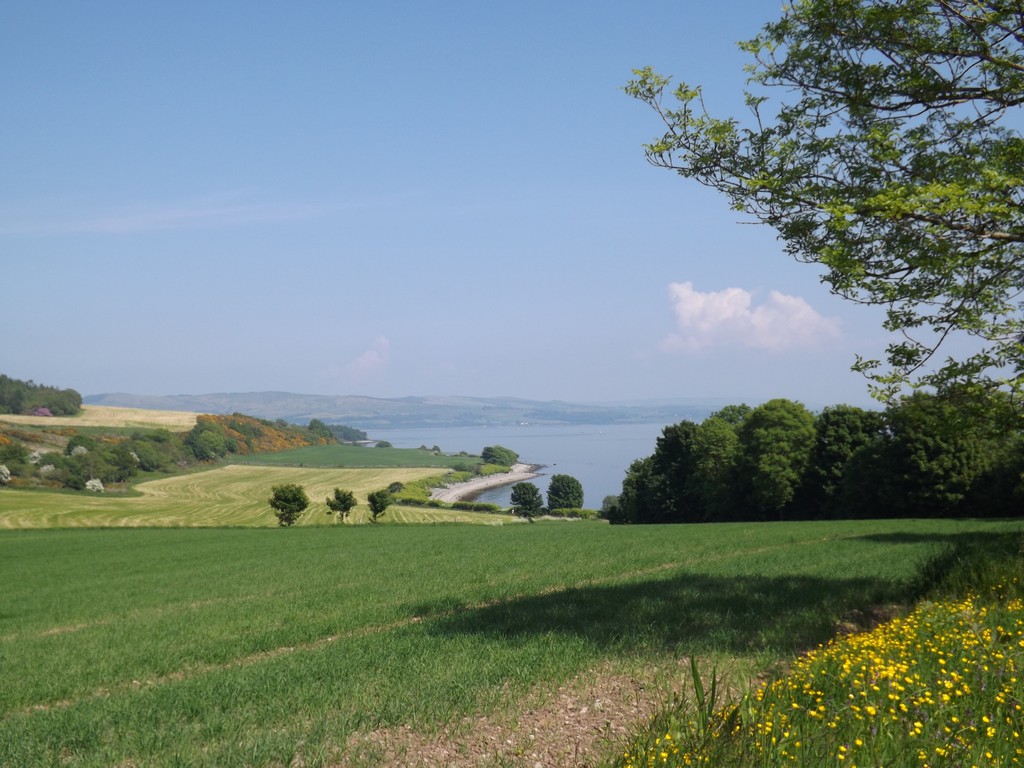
(941, 686)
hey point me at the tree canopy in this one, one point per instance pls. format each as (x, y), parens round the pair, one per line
(526, 500)
(379, 502)
(27, 397)
(341, 502)
(565, 492)
(499, 454)
(289, 502)
(924, 456)
(889, 161)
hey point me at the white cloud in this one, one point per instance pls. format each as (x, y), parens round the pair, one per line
(730, 317)
(373, 360)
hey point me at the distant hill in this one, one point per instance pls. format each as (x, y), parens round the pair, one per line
(417, 412)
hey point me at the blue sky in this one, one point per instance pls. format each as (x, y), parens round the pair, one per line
(389, 199)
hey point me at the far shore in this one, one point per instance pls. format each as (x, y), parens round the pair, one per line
(472, 488)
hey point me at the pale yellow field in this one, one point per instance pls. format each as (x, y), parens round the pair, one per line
(234, 495)
(109, 416)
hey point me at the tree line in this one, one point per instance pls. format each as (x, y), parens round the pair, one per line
(565, 499)
(27, 397)
(923, 456)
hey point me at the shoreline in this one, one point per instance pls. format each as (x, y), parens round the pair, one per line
(472, 488)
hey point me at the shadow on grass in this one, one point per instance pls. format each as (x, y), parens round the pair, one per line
(695, 613)
(966, 539)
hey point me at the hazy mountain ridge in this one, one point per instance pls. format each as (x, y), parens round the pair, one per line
(375, 413)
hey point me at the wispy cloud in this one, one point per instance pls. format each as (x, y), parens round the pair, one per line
(373, 360)
(200, 213)
(730, 317)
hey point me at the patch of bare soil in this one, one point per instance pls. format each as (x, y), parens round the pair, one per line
(579, 725)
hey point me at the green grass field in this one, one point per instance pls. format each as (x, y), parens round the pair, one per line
(233, 495)
(282, 647)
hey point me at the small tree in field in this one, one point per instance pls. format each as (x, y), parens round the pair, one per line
(526, 500)
(379, 502)
(341, 502)
(289, 502)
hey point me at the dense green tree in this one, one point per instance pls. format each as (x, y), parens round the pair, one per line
(775, 445)
(840, 431)
(888, 160)
(342, 502)
(379, 501)
(998, 491)
(121, 463)
(637, 499)
(151, 459)
(321, 430)
(526, 500)
(863, 490)
(715, 447)
(209, 445)
(289, 502)
(206, 440)
(734, 415)
(565, 492)
(346, 434)
(934, 454)
(497, 454)
(674, 470)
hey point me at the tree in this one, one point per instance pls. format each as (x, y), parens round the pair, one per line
(934, 453)
(341, 502)
(379, 502)
(526, 500)
(636, 501)
(289, 502)
(673, 471)
(775, 445)
(497, 454)
(891, 165)
(321, 430)
(206, 439)
(840, 431)
(565, 492)
(715, 447)
(610, 508)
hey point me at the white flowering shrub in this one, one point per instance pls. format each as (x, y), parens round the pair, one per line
(94, 485)
(79, 450)
(47, 469)
(34, 457)
(5, 474)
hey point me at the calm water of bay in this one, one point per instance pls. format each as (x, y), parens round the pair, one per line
(598, 456)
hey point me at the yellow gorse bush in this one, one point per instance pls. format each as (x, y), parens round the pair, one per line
(939, 687)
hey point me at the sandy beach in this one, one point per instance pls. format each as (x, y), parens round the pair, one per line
(517, 474)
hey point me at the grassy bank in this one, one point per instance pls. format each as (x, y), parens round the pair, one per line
(234, 647)
(937, 685)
